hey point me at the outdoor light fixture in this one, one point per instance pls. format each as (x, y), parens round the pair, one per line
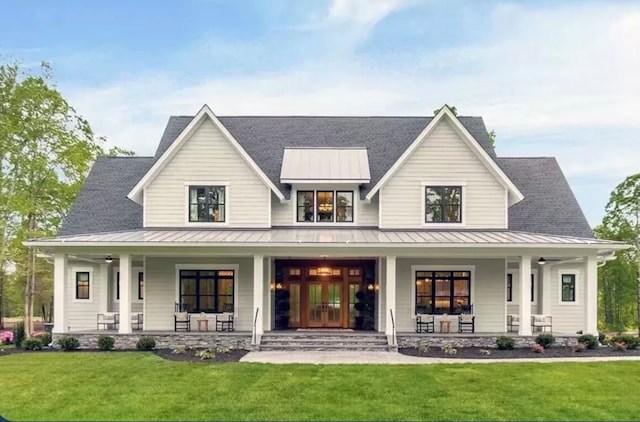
(278, 286)
(108, 259)
(542, 261)
(323, 271)
(370, 287)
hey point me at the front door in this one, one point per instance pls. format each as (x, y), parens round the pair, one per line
(324, 305)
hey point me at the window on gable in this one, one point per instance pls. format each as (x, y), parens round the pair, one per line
(82, 285)
(324, 206)
(207, 204)
(443, 204)
(568, 287)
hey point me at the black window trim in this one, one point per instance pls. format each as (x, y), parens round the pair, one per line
(140, 278)
(335, 193)
(140, 284)
(88, 281)
(208, 189)
(215, 286)
(451, 278)
(509, 287)
(573, 287)
(443, 205)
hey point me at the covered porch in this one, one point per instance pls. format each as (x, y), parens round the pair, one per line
(408, 275)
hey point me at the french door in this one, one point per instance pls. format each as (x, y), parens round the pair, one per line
(324, 304)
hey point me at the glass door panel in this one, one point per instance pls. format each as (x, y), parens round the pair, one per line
(294, 300)
(315, 305)
(333, 304)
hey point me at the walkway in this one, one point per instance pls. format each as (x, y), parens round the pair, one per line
(394, 358)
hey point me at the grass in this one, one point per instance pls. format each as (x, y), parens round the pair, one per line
(142, 386)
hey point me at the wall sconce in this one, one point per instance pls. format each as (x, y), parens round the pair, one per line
(542, 261)
(377, 287)
(108, 259)
(370, 287)
(278, 286)
(273, 286)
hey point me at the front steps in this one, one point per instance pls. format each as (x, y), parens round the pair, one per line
(324, 341)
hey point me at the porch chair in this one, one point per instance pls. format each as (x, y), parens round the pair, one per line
(224, 321)
(513, 322)
(466, 323)
(181, 318)
(425, 323)
(541, 323)
(136, 320)
(108, 321)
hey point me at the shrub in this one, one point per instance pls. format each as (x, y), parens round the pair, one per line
(224, 349)
(205, 354)
(146, 343)
(68, 343)
(538, 348)
(424, 347)
(449, 350)
(32, 343)
(106, 342)
(506, 343)
(6, 337)
(18, 334)
(485, 352)
(602, 337)
(45, 339)
(545, 340)
(631, 342)
(179, 350)
(590, 340)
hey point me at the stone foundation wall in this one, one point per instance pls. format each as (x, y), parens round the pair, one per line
(413, 340)
(164, 341)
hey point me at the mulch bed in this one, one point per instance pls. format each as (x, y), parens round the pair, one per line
(519, 352)
(189, 356)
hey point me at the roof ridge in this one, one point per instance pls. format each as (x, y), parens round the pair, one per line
(540, 157)
(316, 116)
(125, 156)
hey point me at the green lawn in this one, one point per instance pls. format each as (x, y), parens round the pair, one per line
(94, 386)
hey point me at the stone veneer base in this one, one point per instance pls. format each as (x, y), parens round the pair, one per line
(413, 340)
(164, 341)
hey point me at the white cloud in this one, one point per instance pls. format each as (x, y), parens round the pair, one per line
(555, 72)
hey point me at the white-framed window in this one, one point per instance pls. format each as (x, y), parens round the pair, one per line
(438, 289)
(569, 285)
(443, 204)
(324, 206)
(82, 284)
(206, 203)
(513, 287)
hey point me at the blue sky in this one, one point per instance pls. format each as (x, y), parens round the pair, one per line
(551, 78)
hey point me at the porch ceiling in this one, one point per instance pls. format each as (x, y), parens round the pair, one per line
(288, 237)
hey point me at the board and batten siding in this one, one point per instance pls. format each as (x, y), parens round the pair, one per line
(204, 158)
(283, 214)
(443, 158)
(162, 288)
(487, 290)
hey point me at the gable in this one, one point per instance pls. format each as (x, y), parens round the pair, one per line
(169, 149)
(443, 158)
(514, 195)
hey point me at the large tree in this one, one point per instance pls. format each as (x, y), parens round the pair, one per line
(46, 151)
(622, 222)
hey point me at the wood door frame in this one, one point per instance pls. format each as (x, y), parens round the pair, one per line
(303, 279)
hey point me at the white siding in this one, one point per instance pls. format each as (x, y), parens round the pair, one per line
(207, 157)
(161, 291)
(443, 158)
(567, 317)
(513, 307)
(281, 213)
(368, 213)
(114, 304)
(487, 287)
(82, 314)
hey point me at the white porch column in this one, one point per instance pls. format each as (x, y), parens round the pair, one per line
(545, 284)
(525, 296)
(59, 293)
(258, 293)
(125, 294)
(103, 286)
(390, 293)
(591, 295)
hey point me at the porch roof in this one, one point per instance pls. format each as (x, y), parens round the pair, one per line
(327, 237)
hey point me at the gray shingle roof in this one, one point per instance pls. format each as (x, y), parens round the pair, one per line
(102, 204)
(265, 138)
(549, 205)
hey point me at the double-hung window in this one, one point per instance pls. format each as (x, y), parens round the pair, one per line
(324, 206)
(207, 290)
(443, 204)
(82, 285)
(140, 285)
(207, 204)
(568, 287)
(510, 288)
